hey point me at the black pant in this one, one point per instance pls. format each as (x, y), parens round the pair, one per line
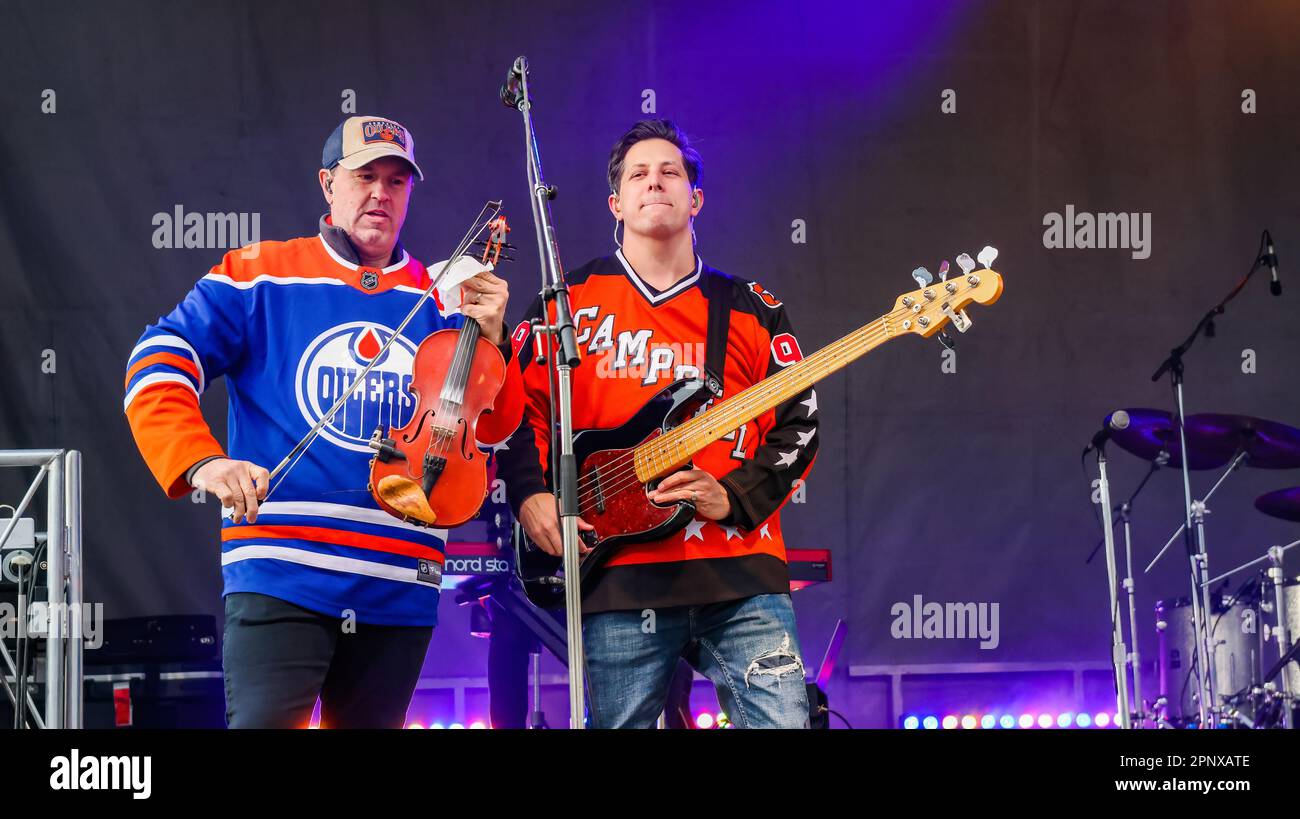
(278, 658)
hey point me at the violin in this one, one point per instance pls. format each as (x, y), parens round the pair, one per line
(431, 471)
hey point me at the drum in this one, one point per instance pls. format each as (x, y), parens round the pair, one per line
(1237, 656)
(1291, 600)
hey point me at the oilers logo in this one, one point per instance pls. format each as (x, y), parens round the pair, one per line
(382, 130)
(330, 366)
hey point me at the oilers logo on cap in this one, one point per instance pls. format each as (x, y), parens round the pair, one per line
(359, 140)
(382, 130)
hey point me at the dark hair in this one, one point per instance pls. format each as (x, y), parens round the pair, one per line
(653, 129)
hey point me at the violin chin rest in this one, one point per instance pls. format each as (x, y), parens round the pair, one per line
(406, 497)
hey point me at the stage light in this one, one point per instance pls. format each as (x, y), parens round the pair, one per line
(911, 723)
(969, 722)
(988, 721)
(438, 726)
(1044, 720)
(415, 726)
(1065, 720)
(1026, 720)
(704, 720)
(1007, 721)
(477, 725)
(1102, 720)
(949, 722)
(1083, 720)
(456, 726)
(930, 722)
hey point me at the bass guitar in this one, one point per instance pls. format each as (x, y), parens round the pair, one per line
(618, 467)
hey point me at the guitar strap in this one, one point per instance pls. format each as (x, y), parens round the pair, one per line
(717, 290)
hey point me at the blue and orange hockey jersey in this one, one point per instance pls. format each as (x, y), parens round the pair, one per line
(290, 325)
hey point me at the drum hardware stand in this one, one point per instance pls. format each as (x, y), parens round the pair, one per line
(1238, 460)
(564, 472)
(1282, 630)
(1286, 651)
(1119, 654)
(1134, 657)
(1197, 558)
(1206, 677)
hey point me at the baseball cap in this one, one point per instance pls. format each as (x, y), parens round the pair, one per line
(359, 140)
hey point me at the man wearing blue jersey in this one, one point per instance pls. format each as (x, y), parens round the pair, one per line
(326, 595)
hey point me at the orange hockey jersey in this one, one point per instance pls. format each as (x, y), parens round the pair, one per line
(634, 342)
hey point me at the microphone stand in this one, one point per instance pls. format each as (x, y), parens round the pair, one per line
(1118, 654)
(564, 467)
(1155, 466)
(1125, 511)
(1198, 558)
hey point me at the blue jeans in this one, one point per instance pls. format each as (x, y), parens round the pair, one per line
(748, 648)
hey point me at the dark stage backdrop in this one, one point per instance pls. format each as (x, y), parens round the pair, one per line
(844, 145)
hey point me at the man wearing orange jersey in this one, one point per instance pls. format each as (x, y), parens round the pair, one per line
(717, 591)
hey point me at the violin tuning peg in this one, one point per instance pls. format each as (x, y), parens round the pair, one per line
(923, 277)
(966, 263)
(988, 255)
(943, 271)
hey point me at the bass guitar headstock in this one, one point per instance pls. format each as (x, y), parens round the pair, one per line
(927, 309)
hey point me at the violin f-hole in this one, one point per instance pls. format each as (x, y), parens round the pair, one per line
(466, 447)
(411, 437)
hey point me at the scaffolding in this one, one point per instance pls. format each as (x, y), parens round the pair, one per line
(63, 640)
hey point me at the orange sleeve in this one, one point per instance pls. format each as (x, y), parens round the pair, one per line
(507, 410)
(171, 434)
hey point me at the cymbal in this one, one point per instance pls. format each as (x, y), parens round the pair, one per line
(1284, 504)
(1151, 434)
(1269, 444)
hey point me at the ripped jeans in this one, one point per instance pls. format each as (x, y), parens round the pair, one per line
(748, 648)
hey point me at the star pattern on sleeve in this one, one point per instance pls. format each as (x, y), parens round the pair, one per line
(811, 403)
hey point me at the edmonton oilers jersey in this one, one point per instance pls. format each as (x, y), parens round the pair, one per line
(291, 325)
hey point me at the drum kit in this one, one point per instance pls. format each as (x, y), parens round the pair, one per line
(1228, 658)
